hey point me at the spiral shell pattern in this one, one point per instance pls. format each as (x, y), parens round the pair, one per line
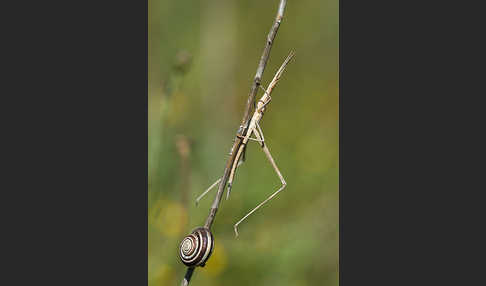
(196, 248)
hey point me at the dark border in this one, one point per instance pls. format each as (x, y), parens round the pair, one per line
(79, 145)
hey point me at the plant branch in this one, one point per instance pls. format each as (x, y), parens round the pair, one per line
(187, 277)
(244, 124)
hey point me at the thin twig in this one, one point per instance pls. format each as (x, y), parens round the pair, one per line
(187, 277)
(244, 124)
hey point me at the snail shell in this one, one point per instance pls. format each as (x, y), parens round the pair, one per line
(196, 248)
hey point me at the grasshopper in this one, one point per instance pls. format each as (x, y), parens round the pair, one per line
(255, 129)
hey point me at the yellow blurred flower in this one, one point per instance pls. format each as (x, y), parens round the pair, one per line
(217, 262)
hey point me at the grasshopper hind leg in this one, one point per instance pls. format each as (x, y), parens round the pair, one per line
(274, 165)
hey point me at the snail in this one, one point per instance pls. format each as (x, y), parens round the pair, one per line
(196, 247)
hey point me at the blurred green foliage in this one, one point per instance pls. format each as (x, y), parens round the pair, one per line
(202, 59)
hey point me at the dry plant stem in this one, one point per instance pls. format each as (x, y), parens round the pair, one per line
(263, 61)
(187, 277)
(244, 123)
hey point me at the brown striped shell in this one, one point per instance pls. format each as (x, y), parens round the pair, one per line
(196, 248)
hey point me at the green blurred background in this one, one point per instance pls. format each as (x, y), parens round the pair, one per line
(202, 59)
